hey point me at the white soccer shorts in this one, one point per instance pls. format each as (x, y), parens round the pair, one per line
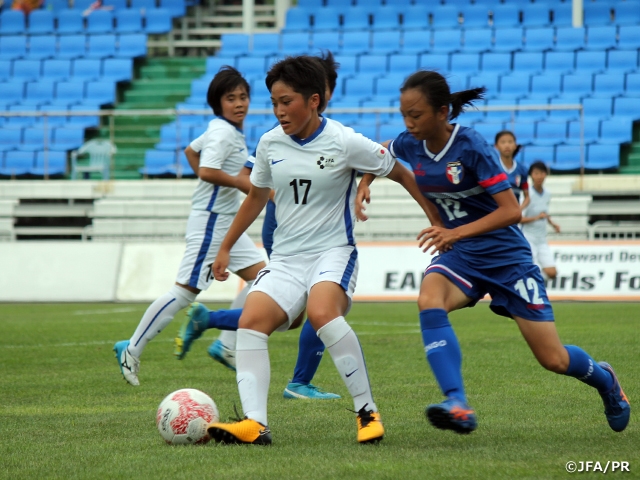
(205, 232)
(541, 252)
(289, 279)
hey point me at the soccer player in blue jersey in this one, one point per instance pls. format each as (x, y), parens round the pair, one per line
(481, 251)
(310, 347)
(517, 172)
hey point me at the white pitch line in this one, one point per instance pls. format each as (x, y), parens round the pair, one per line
(105, 311)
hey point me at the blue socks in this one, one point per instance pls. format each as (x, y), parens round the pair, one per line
(224, 319)
(443, 352)
(310, 349)
(585, 369)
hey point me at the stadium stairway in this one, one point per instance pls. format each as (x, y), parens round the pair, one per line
(161, 83)
(630, 157)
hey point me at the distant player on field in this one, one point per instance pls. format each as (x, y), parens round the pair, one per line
(481, 251)
(535, 218)
(505, 143)
(311, 163)
(214, 205)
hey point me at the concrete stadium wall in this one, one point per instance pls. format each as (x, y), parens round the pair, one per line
(140, 272)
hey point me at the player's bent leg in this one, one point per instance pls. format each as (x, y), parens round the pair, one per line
(550, 273)
(573, 361)
(129, 364)
(192, 328)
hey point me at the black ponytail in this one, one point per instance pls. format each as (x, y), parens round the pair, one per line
(465, 98)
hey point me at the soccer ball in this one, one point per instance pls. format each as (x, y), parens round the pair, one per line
(183, 416)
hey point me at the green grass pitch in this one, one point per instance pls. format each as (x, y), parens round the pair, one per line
(66, 412)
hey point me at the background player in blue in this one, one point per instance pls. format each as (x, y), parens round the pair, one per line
(310, 347)
(517, 173)
(484, 252)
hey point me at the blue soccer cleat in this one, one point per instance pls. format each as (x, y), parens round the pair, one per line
(129, 365)
(222, 354)
(307, 392)
(616, 403)
(452, 414)
(192, 329)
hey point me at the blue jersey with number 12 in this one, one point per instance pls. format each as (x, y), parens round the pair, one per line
(460, 181)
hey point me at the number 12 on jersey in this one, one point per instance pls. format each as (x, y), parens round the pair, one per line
(306, 184)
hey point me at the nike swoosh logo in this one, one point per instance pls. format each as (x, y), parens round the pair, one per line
(264, 431)
(273, 162)
(349, 374)
(326, 271)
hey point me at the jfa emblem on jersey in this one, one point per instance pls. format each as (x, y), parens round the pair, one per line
(324, 162)
(455, 172)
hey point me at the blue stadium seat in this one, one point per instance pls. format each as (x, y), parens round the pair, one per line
(177, 8)
(101, 92)
(476, 16)
(373, 64)
(562, 100)
(488, 129)
(602, 157)
(403, 64)
(532, 115)
(143, 4)
(478, 40)
(11, 92)
(17, 163)
(389, 87)
(70, 22)
(252, 66)
(568, 158)
(627, 107)
(67, 138)
(608, 84)
(13, 46)
(561, 14)
(489, 80)
(265, 44)
(628, 37)
(443, 16)
(539, 39)
(132, 45)
(213, 65)
(570, 38)
(632, 85)
(72, 46)
(464, 63)
(355, 43)
(597, 13)
(84, 121)
(158, 21)
(310, 4)
(528, 62)
(616, 130)
(68, 93)
(5, 70)
(340, 5)
(234, 44)
(35, 138)
(182, 168)
(10, 138)
(597, 107)
(157, 162)
(49, 164)
(199, 88)
(500, 115)
(56, 69)
(356, 18)
(116, 4)
(507, 39)
(457, 81)
(590, 134)
(297, 19)
(101, 46)
(621, 61)
(259, 90)
(560, 62)
(58, 5)
(447, 41)
(41, 47)
(359, 87)
(11, 21)
(27, 70)
(386, 17)
(591, 61)
(601, 37)
(346, 118)
(325, 41)
(47, 117)
(385, 41)
(81, 5)
(535, 14)
(515, 85)
(434, 61)
(326, 19)
(546, 84)
(389, 131)
(41, 22)
(627, 13)
(543, 153)
(348, 64)
(38, 93)
(172, 138)
(496, 62)
(128, 20)
(551, 132)
(416, 41)
(506, 15)
(117, 69)
(416, 17)
(294, 43)
(86, 69)
(100, 21)
(577, 84)
(524, 130)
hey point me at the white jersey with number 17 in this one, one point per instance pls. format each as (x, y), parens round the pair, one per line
(315, 185)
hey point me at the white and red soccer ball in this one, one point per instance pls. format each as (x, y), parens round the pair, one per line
(183, 416)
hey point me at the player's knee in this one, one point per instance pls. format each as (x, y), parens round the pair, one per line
(322, 314)
(426, 301)
(554, 362)
(250, 322)
(551, 272)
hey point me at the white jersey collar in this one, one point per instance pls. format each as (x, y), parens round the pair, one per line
(509, 170)
(443, 152)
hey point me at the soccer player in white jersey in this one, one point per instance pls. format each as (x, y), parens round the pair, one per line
(311, 163)
(214, 205)
(534, 221)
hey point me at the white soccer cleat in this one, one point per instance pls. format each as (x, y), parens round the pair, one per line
(129, 365)
(222, 354)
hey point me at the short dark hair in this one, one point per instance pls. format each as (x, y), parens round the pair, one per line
(539, 165)
(502, 133)
(304, 74)
(226, 80)
(436, 90)
(331, 67)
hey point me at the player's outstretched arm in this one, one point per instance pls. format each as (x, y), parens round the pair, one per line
(527, 199)
(193, 158)
(363, 195)
(248, 212)
(223, 179)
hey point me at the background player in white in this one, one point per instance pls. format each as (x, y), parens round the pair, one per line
(535, 218)
(214, 204)
(311, 163)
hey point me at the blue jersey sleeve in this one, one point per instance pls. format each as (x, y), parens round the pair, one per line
(397, 146)
(487, 167)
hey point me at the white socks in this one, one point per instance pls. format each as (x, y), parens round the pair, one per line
(228, 337)
(346, 352)
(253, 373)
(158, 316)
